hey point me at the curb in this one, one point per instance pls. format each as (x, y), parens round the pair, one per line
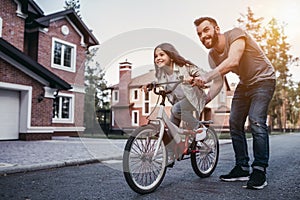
(36, 167)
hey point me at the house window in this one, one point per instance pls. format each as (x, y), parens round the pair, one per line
(63, 108)
(116, 96)
(222, 96)
(147, 107)
(63, 55)
(146, 104)
(135, 118)
(135, 95)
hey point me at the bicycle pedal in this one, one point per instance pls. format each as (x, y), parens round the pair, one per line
(180, 158)
(171, 164)
(184, 158)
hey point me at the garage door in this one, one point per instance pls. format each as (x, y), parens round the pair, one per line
(9, 114)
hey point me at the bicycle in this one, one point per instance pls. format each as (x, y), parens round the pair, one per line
(151, 149)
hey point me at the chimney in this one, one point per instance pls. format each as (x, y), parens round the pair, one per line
(125, 79)
(125, 71)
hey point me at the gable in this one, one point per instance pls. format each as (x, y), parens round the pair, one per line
(18, 59)
(70, 15)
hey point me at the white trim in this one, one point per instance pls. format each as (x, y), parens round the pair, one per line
(1, 23)
(79, 33)
(38, 129)
(112, 118)
(146, 101)
(19, 10)
(124, 69)
(77, 89)
(69, 129)
(73, 56)
(49, 92)
(222, 113)
(132, 93)
(65, 30)
(49, 129)
(115, 93)
(137, 117)
(72, 108)
(44, 30)
(75, 27)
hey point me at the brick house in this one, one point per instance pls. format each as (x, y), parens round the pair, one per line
(41, 71)
(130, 106)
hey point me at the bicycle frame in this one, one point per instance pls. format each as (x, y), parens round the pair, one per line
(146, 157)
(163, 118)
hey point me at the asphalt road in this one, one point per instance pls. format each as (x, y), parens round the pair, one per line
(106, 181)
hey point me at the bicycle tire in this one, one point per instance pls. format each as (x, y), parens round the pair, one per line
(142, 172)
(205, 158)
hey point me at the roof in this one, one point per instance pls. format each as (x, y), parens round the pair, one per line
(138, 81)
(44, 21)
(29, 6)
(222, 109)
(17, 58)
(143, 79)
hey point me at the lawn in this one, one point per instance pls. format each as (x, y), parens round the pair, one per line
(125, 136)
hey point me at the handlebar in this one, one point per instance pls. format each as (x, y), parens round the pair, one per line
(164, 92)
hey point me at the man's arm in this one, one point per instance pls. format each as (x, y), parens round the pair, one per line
(214, 89)
(235, 53)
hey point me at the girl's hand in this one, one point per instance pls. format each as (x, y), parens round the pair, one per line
(144, 88)
(148, 87)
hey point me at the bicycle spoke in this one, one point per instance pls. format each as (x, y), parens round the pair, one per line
(145, 171)
(205, 159)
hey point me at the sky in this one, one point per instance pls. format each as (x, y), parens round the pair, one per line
(130, 29)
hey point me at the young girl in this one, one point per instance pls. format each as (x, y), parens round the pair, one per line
(169, 67)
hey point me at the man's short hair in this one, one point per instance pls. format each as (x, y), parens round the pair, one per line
(198, 21)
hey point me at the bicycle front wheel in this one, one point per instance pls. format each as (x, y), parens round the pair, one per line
(143, 170)
(205, 156)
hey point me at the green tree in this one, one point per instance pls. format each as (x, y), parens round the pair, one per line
(75, 4)
(97, 95)
(252, 24)
(273, 41)
(276, 48)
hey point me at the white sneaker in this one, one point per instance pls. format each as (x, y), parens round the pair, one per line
(200, 133)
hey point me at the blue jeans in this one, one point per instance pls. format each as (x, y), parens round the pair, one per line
(183, 110)
(251, 101)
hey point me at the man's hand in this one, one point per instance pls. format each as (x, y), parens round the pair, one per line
(198, 81)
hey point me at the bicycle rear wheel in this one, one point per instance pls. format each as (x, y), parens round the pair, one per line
(205, 156)
(143, 171)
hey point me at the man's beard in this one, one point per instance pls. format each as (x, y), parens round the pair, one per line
(214, 41)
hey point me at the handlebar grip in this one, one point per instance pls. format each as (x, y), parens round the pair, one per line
(150, 86)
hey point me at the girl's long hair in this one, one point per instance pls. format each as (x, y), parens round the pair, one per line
(170, 50)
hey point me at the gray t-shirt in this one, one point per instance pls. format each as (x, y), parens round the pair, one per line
(254, 65)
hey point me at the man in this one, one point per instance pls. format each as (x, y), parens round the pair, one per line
(235, 51)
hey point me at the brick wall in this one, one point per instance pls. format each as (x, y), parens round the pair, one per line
(77, 78)
(45, 46)
(13, 26)
(41, 113)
